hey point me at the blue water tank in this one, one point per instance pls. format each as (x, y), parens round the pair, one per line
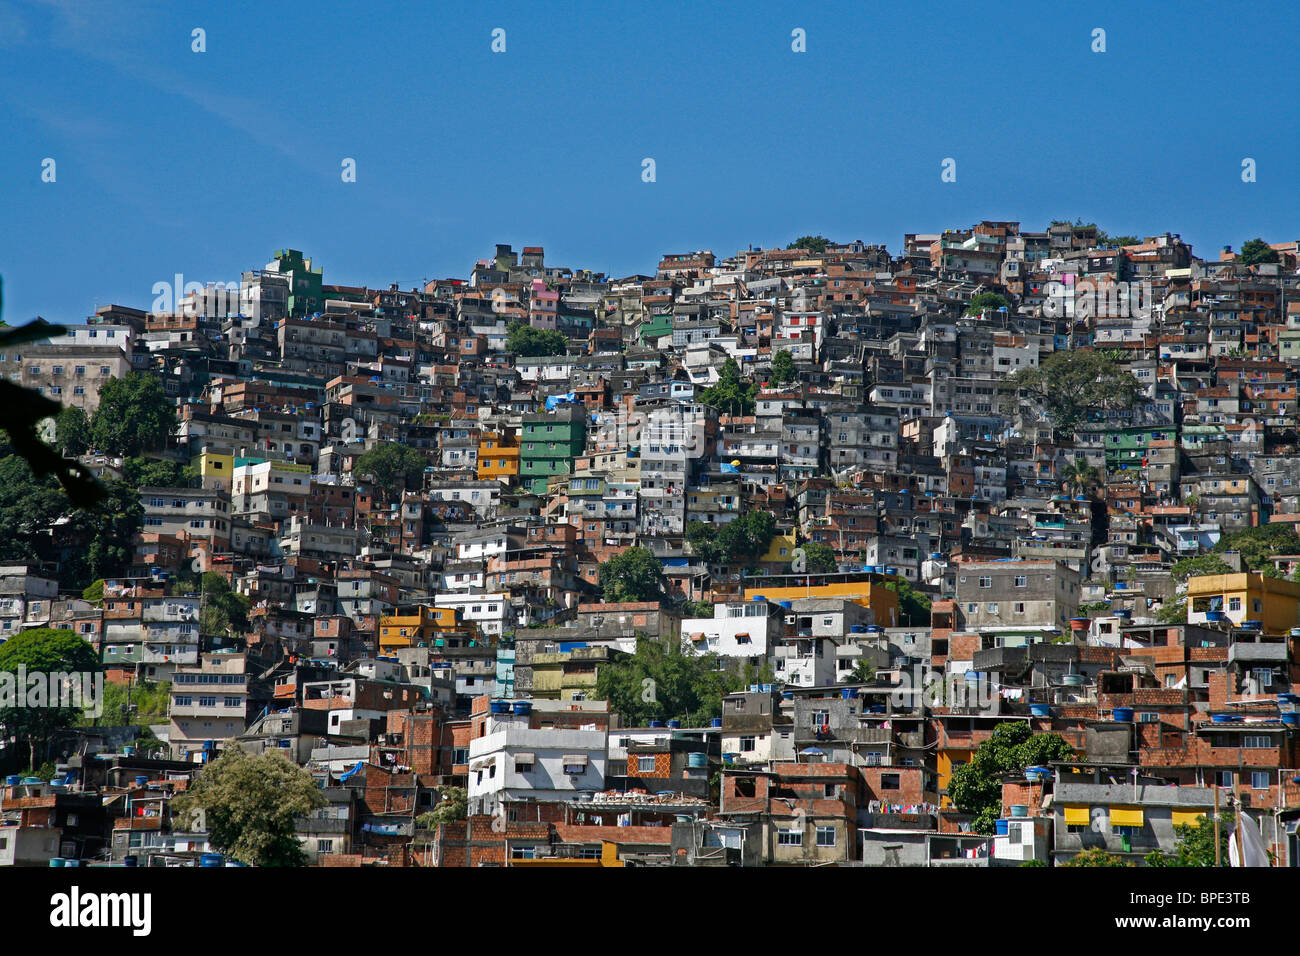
(141, 779)
(857, 629)
(1291, 718)
(717, 722)
(523, 707)
(1040, 710)
(758, 597)
(675, 724)
(892, 570)
(656, 723)
(788, 605)
(697, 760)
(848, 693)
(13, 780)
(1001, 827)
(1123, 714)
(211, 859)
(500, 706)
(57, 861)
(1019, 810)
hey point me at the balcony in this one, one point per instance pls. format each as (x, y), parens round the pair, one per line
(1257, 653)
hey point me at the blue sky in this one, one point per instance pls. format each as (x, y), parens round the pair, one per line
(205, 163)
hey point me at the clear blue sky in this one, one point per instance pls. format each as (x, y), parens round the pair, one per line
(172, 161)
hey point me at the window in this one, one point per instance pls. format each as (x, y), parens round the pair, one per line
(646, 764)
(986, 582)
(746, 745)
(1225, 778)
(825, 836)
(1259, 780)
(889, 781)
(1257, 741)
(789, 837)
(1021, 581)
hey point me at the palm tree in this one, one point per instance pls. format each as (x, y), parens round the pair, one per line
(1080, 477)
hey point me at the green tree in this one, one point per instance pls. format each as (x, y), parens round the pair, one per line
(987, 300)
(524, 340)
(46, 651)
(225, 610)
(1254, 251)
(632, 575)
(1072, 385)
(818, 558)
(731, 394)
(394, 468)
(662, 682)
(783, 369)
(139, 472)
(94, 591)
(453, 805)
(815, 244)
(1080, 478)
(72, 431)
(976, 786)
(1173, 612)
(1201, 564)
(134, 416)
(107, 532)
(251, 805)
(1195, 845)
(913, 606)
(1096, 857)
(1258, 545)
(862, 673)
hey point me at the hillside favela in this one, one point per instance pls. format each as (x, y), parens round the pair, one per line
(977, 550)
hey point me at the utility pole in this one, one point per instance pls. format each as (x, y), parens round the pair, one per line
(1217, 851)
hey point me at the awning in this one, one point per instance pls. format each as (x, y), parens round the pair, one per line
(575, 760)
(479, 764)
(1077, 816)
(524, 758)
(1188, 817)
(1125, 817)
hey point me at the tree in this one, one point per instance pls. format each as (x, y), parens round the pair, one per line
(225, 610)
(913, 606)
(1200, 565)
(106, 534)
(976, 786)
(72, 431)
(1254, 251)
(662, 682)
(1173, 612)
(1096, 857)
(251, 805)
(134, 416)
(862, 673)
(394, 468)
(783, 369)
(742, 540)
(44, 651)
(731, 393)
(1072, 385)
(1258, 545)
(818, 558)
(94, 591)
(1080, 478)
(453, 805)
(816, 244)
(524, 340)
(1195, 845)
(632, 575)
(139, 472)
(987, 300)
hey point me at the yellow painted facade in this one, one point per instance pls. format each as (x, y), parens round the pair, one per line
(498, 458)
(424, 626)
(1247, 596)
(875, 596)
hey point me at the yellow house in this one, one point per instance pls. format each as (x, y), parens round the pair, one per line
(498, 458)
(780, 551)
(1247, 596)
(215, 470)
(871, 595)
(421, 624)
